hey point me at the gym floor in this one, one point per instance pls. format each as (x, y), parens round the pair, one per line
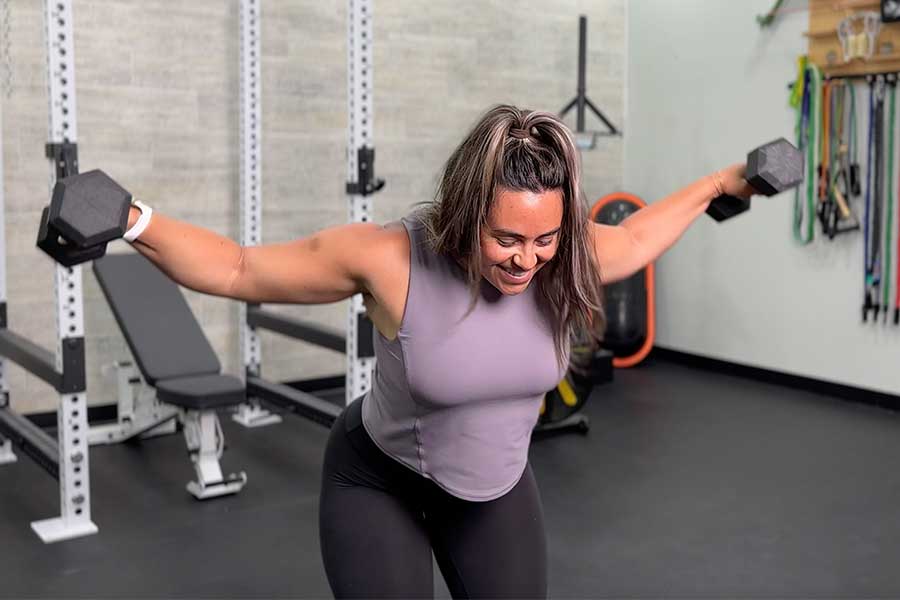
(690, 483)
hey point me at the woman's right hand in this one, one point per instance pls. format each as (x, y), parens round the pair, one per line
(730, 180)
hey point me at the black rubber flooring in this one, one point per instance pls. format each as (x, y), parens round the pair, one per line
(689, 484)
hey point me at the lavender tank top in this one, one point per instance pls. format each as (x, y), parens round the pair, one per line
(455, 396)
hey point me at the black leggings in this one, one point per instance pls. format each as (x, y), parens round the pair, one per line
(379, 522)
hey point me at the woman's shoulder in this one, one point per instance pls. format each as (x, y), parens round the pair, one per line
(400, 234)
(394, 236)
(385, 250)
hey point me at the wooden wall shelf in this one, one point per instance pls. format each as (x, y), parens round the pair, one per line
(825, 46)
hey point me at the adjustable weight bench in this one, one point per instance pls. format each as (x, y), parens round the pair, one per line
(174, 356)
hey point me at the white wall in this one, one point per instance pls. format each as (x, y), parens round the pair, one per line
(704, 85)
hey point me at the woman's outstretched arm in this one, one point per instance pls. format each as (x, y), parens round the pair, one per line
(328, 266)
(628, 247)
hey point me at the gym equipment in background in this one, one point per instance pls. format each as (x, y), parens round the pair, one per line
(628, 304)
(586, 140)
(837, 181)
(357, 343)
(66, 458)
(874, 198)
(174, 357)
(561, 408)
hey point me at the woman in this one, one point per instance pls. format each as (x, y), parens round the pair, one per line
(474, 299)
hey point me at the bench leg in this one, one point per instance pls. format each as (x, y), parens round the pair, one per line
(205, 443)
(6, 452)
(251, 414)
(140, 413)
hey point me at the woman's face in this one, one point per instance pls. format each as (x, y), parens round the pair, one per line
(521, 236)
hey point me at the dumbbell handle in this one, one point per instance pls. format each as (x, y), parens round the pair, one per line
(727, 206)
(62, 251)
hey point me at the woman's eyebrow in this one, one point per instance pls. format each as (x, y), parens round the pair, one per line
(508, 233)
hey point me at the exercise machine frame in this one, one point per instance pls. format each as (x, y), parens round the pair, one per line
(66, 458)
(357, 343)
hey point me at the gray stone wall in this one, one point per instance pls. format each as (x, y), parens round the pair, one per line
(157, 107)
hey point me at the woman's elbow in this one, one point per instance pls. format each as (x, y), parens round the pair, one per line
(234, 283)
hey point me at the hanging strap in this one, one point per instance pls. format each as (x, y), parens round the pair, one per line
(867, 220)
(897, 272)
(889, 219)
(807, 118)
(826, 141)
(877, 200)
(837, 205)
(839, 215)
(854, 146)
(799, 87)
(829, 222)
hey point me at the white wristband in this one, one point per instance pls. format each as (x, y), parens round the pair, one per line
(142, 222)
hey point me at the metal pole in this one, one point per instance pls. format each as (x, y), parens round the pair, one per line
(251, 414)
(582, 68)
(6, 453)
(72, 425)
(359, 72)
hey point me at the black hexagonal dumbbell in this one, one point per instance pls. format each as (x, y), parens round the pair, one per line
(771, 168)
(86, 212)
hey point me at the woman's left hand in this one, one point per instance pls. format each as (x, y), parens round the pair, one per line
(730, 180)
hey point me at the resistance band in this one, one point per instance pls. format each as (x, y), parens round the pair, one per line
(867, 219)
(888, 227)
(873, 277)
(805, 97)
(828, 209)
(854, 146)
(826, 146)
(897, 271)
